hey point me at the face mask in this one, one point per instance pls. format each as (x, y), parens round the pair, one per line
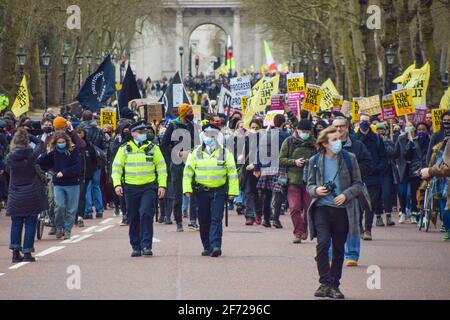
(304, 136)
(336, 146)
(364, 126)
(61, 147)
(141, 138)
(150, 137)
(190, 118)
(446, 125)
(47, 130)
(422, 135)
(408, 129)
(209, 141)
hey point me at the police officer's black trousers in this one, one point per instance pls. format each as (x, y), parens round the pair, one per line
(211, 205)
(141, 202)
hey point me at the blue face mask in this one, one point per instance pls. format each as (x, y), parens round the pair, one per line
(61, 147)
(304, 136)
(209, 141)
(141, 138)
(336, 146)
(364, 126)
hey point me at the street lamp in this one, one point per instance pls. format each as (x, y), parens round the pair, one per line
(64, 62)
(79, 58)
(21, 57)
(390, 56)
(89, 58)
(326, 61)
(343, 75)
(306, 62)
(46, 62)
(445, 81)
(181, 51)
(315, 56)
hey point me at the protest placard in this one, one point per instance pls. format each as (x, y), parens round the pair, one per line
(337, 102)
(296, 90)
(370, 106)
(108, 116)
(244, 103)
(328, 90)
(346, 109)
(436, 115)
(270, 116)
(403, 102)
(445, 101)
(355, 109)
(277, 102)
(313, 98)
(240, 87)
(269, 88)
(388, 107)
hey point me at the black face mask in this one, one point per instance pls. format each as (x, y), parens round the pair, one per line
(446, 125)
(190, 118)
(47, 130)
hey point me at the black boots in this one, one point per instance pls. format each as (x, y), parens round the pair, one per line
(17, 257)
(27, 257)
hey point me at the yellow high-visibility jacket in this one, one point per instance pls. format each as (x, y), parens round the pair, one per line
(139, 165)
(211, 170)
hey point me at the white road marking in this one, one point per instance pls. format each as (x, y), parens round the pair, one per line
(105, 228)
(107, 221)
(71, 239)
(156, 240)
(18, 265)
(49, 251)
(2, 274)
(82, 238)
(89, 229)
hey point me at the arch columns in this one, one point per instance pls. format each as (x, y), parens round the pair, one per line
(237, 37)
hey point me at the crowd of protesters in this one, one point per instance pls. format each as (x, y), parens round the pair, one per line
(347, 176)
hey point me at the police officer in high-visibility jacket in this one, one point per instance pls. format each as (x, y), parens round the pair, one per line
(140, 167)
(210, 175)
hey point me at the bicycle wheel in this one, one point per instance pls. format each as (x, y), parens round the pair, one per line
(423, 211)
(428, 216)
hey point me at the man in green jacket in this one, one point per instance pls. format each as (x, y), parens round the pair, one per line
(294, 155)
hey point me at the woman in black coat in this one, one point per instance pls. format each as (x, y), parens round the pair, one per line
(26, 198)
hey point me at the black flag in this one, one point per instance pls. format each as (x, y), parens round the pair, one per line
(130, 90)
(99, 87)
(175, 94)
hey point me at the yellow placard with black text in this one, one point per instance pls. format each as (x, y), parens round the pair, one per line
(312, 99)
(403, 102)
(108, 116)
(436, 115)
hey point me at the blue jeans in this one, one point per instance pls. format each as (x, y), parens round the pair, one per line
(444, 214)
(141, 203)
(93, 192)
(185, 204)
(16, 233)
(66, 205)
(211, 205)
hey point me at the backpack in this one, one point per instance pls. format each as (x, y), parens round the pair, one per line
(100, 155)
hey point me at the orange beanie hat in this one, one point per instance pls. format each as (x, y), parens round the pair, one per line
(183, 110)
(59, 123)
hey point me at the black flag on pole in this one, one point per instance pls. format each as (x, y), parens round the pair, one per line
(175, 94)
(130, 90)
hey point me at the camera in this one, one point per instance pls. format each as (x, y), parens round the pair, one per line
(330, 186)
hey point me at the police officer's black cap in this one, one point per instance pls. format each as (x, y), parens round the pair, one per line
(139, 126)
(210, 127)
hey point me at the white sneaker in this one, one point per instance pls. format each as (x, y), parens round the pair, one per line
(402, 218)
(413, 219)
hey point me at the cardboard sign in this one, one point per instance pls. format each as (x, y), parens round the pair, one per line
(244, 103)
(337, 102)
(355, 109)
(403, 101)
(388, 107)
(313, 98)
(108, 116)
(436, 115)
(240, 87)
(346, 109)
(370, 106)
(270, 116)
(328, 90)
(197, 110)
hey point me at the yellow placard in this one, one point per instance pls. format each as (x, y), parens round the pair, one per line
(406, 76)
(436, 115)
(119, 86)
(418, 82)
(355, 109)
(312, 99)
(445, 101)
(253, 103)
(338, 101)
(268, 89)
(328, 90)
(403, 101)
(22, 103)
(296, 84)
(108, 116)
(244, 103)
(197, 110)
